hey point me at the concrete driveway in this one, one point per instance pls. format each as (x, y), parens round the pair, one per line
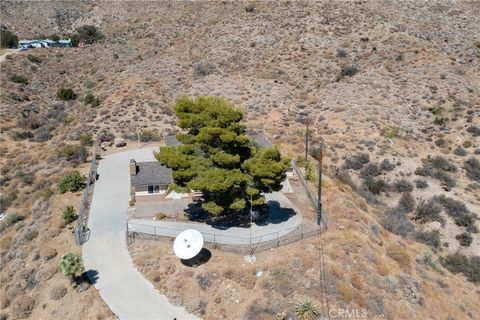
(107, 261)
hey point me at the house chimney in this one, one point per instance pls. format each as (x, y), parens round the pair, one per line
(133, 167)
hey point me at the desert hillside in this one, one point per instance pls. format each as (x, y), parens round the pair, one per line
(392, 90)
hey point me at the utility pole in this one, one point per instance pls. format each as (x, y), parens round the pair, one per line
(251, 222)
(319, 196)
(306, 142)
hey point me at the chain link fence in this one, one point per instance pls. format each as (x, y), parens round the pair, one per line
(311, 194)
(244, 245)
(225, 242)
(81, 230)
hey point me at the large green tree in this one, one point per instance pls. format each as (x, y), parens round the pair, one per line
(217, 157)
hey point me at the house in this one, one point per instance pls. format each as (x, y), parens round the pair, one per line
(44, 43)
(65, 43)
(150, 181)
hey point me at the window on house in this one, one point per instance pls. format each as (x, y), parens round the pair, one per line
(153, 189)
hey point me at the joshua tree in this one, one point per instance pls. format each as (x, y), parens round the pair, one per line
(307, 310)
(71, 265)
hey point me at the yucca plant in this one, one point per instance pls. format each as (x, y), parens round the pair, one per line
(71, 265)
(307, 310)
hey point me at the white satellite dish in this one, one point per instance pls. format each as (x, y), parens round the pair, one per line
(188, 244)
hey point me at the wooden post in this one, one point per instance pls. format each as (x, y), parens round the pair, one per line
(319, 196)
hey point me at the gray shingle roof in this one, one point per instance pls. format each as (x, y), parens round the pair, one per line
(171, 140)
(151, 173)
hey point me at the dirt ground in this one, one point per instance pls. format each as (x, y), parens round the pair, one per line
(366, 269)
(413, 95)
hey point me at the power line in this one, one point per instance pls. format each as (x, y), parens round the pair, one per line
(323, 274)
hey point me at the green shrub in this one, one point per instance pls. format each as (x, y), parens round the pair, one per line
(300, 161)
(431, 238)
(406, 202)
(21, 135)
(33, 59)
(440, 121)
(86, 140)
(443, 164)
(250, 7)
(54, 37)
(8, 39)
(386, 165)
(396, 221)
(7, 198)
(474, 130)
(421, 184)
(149, 135)
(428, 211)
(26, 177)
(71, 265)
(370, 171)
(66, 94)
(74, 37)
(437, 168)
(10, 219)
(472, 166)
(19, 79)
(441, 143)
(309, 174)
(465, 239)
(458, 262)
(376, 186)
(307, 310)
(89, 34)
(391, 132)
(76, 153)
(455, 209)
(401, 186)
(72, 182)
(428, 260)
(357, 161)
(68, 214)
(459, 151)
(91, 100)
(347, 71)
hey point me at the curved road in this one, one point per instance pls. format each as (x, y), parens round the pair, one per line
(107, 261)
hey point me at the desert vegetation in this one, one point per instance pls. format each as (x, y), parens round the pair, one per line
(393, 100)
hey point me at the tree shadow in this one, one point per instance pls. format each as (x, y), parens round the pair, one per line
(269, 213)
(201, 258)
(276, 214)
(91, 275)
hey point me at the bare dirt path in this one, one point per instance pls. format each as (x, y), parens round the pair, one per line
(5, 52)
